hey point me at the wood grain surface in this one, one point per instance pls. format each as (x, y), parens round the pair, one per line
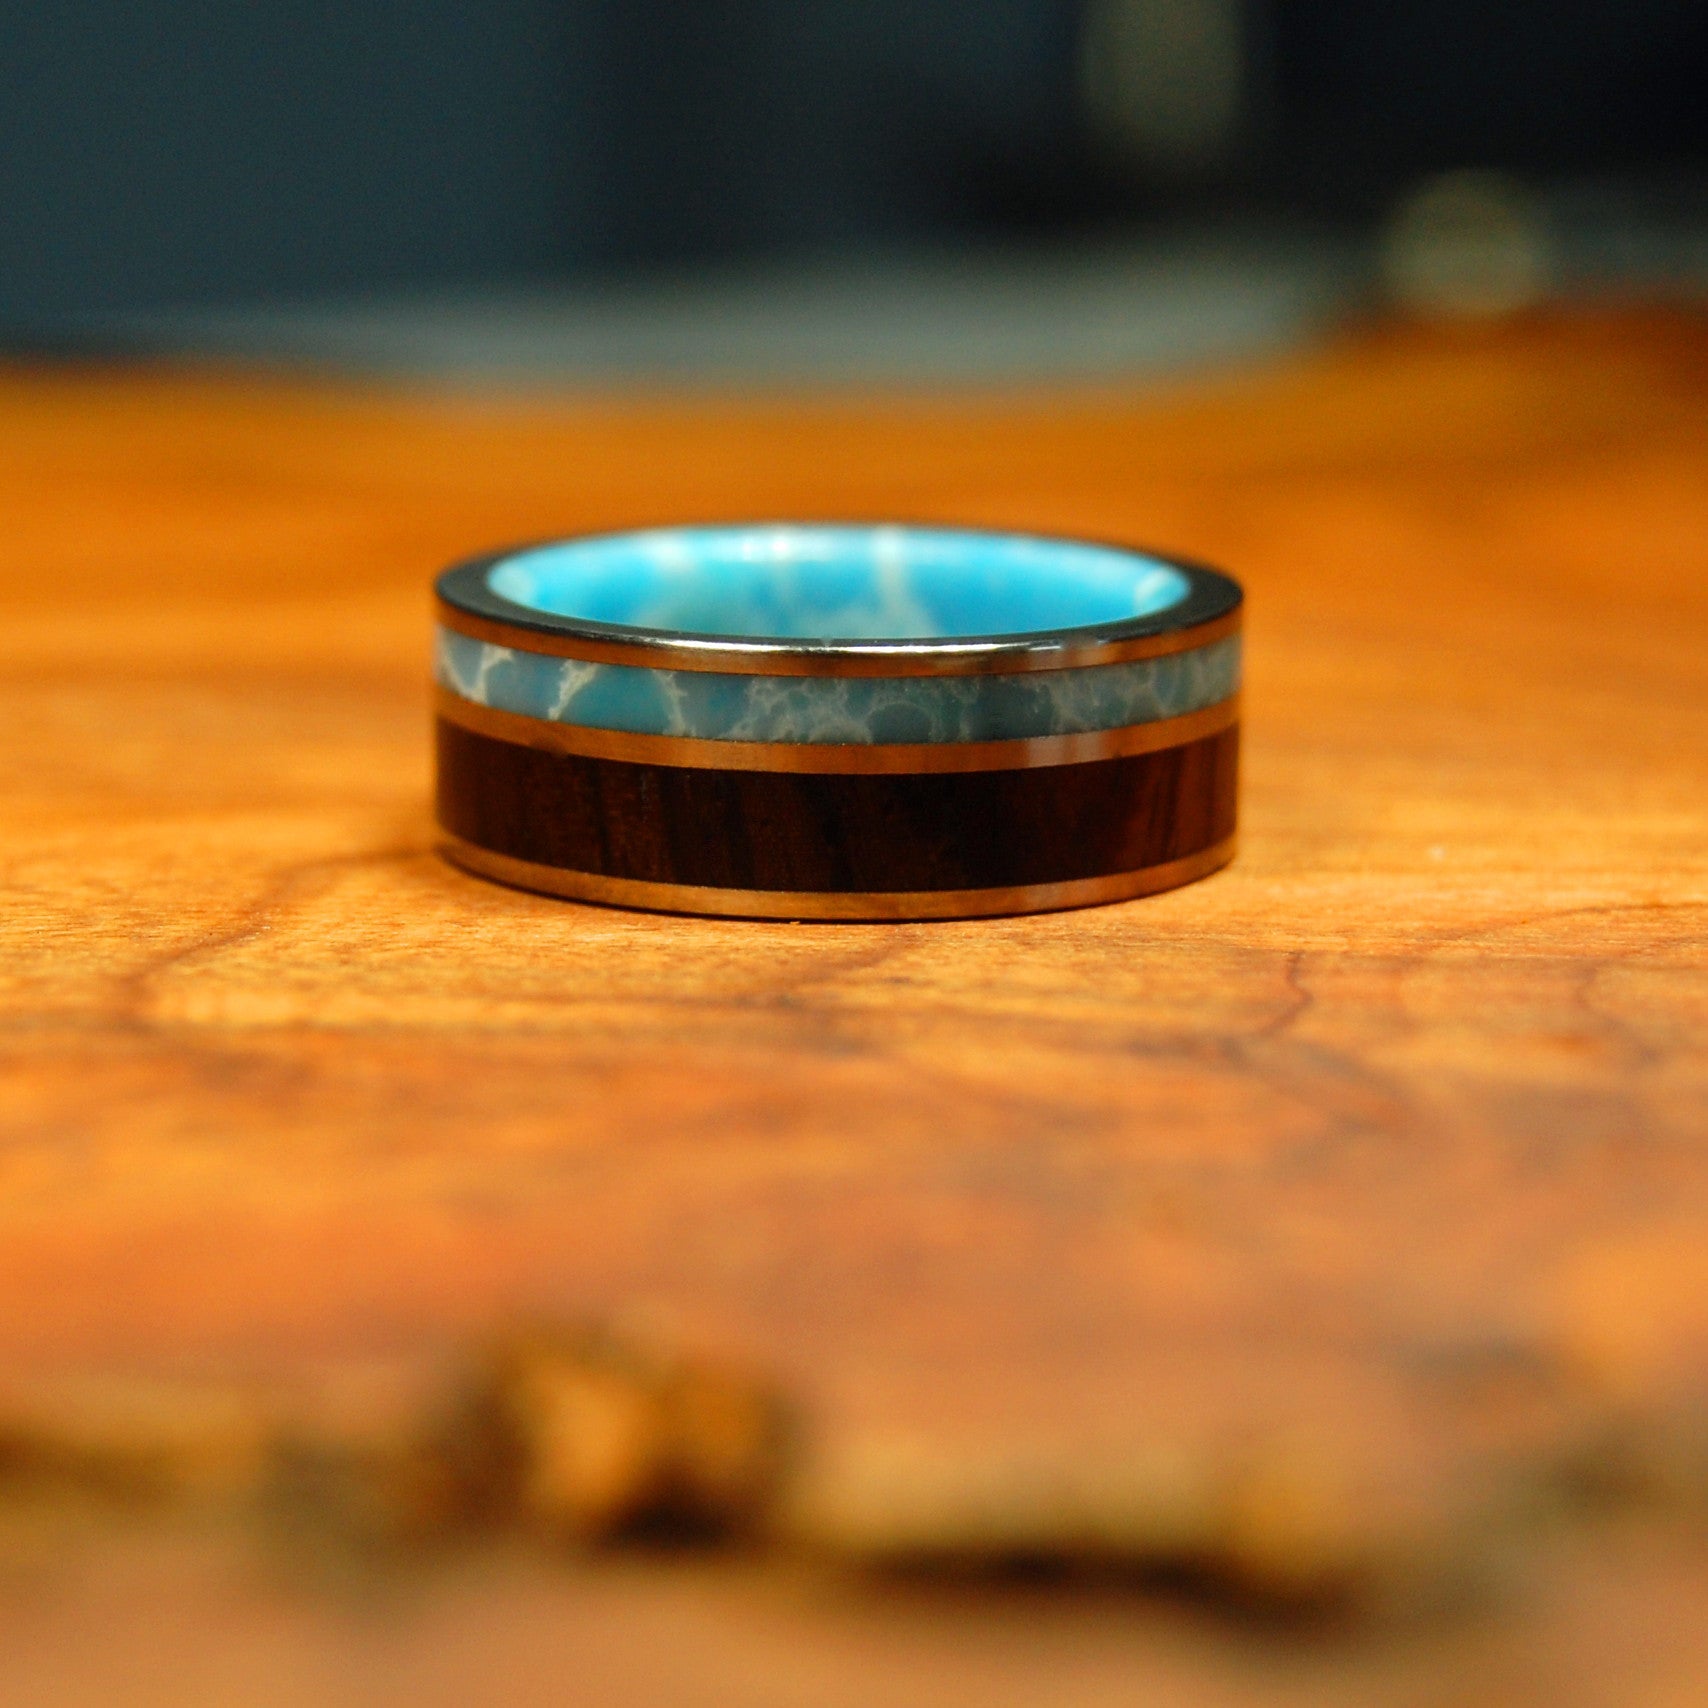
(1330, 1196)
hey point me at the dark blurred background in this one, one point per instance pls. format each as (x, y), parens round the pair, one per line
(179, 163)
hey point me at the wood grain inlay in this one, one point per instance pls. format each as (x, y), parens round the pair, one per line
(786, 831)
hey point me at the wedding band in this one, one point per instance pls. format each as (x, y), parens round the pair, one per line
(834, 722)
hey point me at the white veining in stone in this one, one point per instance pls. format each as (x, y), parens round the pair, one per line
(864, 710)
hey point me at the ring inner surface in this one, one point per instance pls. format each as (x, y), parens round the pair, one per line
(837, 583)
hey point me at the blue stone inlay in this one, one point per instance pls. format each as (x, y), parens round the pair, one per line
(838, 583)
(861, 709)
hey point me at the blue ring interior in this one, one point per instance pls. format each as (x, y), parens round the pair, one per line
(837, 583)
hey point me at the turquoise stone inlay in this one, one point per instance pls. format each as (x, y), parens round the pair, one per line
(838, 709)
(838, 583)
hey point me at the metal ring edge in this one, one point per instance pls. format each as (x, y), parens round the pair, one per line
(836, 758)
(848, 906)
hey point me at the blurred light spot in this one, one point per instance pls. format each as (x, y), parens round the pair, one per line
(1163, 80)
(1469, 245)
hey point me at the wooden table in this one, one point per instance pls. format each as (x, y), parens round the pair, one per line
(1314, 1217)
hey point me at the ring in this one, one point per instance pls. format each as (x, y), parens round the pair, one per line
(805, 722)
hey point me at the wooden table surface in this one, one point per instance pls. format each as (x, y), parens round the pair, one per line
(1320, 1210)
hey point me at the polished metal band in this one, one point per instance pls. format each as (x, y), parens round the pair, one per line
(842, 905)
(835, 758)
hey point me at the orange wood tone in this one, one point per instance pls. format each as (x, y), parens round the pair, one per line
(1424, 1072)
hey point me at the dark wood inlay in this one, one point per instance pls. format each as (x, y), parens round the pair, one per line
(774, 830)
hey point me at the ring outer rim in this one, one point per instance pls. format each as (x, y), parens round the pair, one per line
(1211, 611)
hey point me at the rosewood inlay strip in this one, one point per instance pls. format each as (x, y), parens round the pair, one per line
(769, 830)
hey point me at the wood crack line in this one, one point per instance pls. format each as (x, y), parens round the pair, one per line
(132, 990)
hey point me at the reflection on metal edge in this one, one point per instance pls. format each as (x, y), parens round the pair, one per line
(844, 905)
(836, 758)
(850, 658)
